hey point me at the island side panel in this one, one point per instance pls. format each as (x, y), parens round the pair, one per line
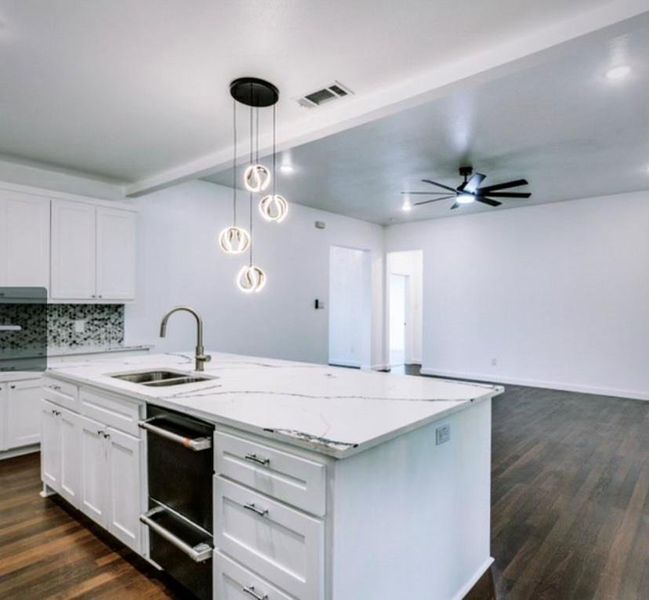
(412, 518)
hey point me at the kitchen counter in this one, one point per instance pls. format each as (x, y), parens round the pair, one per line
(334, 411)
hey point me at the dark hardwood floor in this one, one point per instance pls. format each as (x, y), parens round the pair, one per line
(570, 513)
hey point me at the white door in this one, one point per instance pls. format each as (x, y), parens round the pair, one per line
(25, 245)
(23, 413)
(73, 250)
(50, 445)
(94, 478)
(70, 457)
(115, 254)
(398, 291)
(125, 497)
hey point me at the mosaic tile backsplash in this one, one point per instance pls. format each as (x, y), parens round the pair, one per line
(103, 325)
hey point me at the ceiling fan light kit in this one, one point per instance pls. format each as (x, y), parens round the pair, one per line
(257, 178)
(469, 191)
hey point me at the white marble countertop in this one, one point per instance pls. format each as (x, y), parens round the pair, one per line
(331, 410)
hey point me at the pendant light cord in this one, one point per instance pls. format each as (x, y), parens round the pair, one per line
(274, 146)
(234, 162)
(250, 194)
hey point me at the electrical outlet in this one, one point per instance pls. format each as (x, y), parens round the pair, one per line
(79, 326)
(442, 434)
(494, 362)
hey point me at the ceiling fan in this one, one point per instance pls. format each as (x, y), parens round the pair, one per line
(470, 191)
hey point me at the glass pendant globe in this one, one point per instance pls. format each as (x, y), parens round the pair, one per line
(251, 279)
(256, 178)
(234, 240)
(273, 208)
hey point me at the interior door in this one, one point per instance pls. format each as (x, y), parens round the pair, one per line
(25, 251)
(125, 496)
(94, 478)
(50, 445)
(398, 290)
(115, 254)
(23, 413)
(73, 250)
(70, 469)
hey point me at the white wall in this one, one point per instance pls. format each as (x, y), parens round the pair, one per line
(410, 263)
(350, 307)
(180, 263)
(557, 293)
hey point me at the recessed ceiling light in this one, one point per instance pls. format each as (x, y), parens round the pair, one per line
(407, 205)
(617, 73)
(287, 169)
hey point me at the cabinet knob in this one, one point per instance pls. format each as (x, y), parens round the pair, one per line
(13, 387)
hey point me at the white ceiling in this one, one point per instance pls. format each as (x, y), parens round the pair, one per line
(560, 123)
(136, 90)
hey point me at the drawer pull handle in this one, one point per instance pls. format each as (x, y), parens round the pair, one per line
(251, 591)
(260, 460)
(56, 388)
(258, 511)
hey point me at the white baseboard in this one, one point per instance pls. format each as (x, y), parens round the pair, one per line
(550, 385)
(345, 363)
(466, 588)
(380, 367)
(20, 451)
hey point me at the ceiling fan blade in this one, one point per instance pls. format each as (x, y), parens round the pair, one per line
(472, 185)
(426, 193)
(433, 200)
(445, 187)
(456, 205)
(502, 186)
(488, 201)
(509, 194)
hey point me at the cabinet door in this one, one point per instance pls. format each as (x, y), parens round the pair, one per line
(4, 395)
(73, 250)
(70, 458)
(125, 496)
(50, 445)
(94, 479)
(23, 413)
(25, 246)
(115, 254)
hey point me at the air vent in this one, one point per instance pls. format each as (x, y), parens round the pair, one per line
(333, 92)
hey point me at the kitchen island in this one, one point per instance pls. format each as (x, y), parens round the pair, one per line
(328, 483)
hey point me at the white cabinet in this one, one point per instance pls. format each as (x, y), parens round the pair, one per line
(111, 480)
(60, 458)
(73, 250)
(22, 413)
(93, 252)
(24, 240)
(115, 254)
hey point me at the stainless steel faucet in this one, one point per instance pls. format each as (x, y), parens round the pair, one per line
(201, 357)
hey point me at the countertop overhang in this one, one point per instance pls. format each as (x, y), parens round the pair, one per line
(330, 410)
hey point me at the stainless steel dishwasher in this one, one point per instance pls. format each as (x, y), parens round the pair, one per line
(181, 466)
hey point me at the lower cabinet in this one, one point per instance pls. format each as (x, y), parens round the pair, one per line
(96, 468)
(20, 413)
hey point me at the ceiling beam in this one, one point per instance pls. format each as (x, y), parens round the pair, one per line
(511, 55)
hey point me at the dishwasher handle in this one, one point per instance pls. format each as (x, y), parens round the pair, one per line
(195, 444)
(199, 553)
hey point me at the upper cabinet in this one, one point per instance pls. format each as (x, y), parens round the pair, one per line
(93, 252)
(24, 240)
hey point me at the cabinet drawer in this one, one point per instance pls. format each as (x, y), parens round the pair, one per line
(110, 410)
(234, 582)
(62, 393)
(292, 479)
(281, 544)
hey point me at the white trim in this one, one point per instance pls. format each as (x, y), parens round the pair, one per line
(550, 385)
(466, 588)
(344, 363)
(56, 195)
(20, 451)
(380, 367)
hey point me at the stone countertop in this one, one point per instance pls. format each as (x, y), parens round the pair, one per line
(331, 410)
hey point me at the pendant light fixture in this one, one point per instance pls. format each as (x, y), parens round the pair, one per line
(274, 207)
(234, 240)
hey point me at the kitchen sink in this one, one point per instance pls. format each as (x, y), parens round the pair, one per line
(160, 378)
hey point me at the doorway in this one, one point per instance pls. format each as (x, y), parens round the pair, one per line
(404, 308)
(398, 302)
(350, 307)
